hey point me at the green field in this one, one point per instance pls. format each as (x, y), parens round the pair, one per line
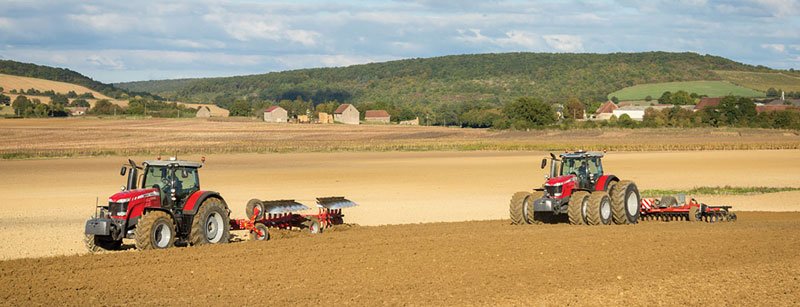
(761, 81)
(710, 88)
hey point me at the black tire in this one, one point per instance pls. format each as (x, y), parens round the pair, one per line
(578, 202)
(313, 225)
(625, 203)
(668, 201)
(211, 224)
(694, 214)
(101, 243)
(263, 229)
(251, 206)
(516, 208)
(532, 217)
(155, 230)
(599, 210)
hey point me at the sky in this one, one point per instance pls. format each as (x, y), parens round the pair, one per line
(116, 41)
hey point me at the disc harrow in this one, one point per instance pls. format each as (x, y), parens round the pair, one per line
(667, 209)
(282, 214)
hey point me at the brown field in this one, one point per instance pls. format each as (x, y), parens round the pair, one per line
(31, 138)
(755, 261)
(45, 202)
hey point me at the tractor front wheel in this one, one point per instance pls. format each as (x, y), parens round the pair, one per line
(100, 243)
(533, 217)
(516, 208)
(155, 230)
(211, 224)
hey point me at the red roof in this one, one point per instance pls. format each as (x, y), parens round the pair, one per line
(376, 113)
(706, 102)
(341, 108)
(607, 107)
(272, 108)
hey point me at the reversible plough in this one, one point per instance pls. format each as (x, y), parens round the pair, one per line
(281, 214)
(668, 209)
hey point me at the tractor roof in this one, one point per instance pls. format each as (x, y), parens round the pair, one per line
(183, 163)
(582, 154)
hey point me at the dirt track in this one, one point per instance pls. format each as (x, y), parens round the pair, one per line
(46, 202)
(755, 261)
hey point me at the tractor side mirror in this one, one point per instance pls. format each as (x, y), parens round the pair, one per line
(184, 173)
(123, 170)
(544, 163)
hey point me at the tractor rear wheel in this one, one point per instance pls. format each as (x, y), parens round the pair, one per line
(517, 207)
(599, 210)
(576, 209)
(313, 225)
(211, 224)
(531, 216)
(253, 206)
(625, 202)
(155, 230)
(254, 236)
(100, 243)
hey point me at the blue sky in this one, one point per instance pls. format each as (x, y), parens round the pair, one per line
(115, 41)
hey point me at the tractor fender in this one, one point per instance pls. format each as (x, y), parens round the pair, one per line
(197, 198)
(603, 182)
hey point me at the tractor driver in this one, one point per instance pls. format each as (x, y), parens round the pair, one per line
(583, 172)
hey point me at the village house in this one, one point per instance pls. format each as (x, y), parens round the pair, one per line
(605, 111)
(276, 114)
(77, 111)
(377, 116)
(347, 114)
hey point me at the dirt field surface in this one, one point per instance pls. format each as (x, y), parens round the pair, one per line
(755, 261)
(31, 138)
(46, 202)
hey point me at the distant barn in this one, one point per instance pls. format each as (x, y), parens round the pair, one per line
(377, 116)
(347, 114)
(605, 111)
(276, 114)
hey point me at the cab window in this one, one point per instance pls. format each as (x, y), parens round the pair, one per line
(156, 176)
(189, 183)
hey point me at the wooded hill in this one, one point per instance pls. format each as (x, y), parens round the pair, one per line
(486, 78)
(64, 75)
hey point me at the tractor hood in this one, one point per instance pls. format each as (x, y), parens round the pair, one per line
(560, 180)
(130, 195)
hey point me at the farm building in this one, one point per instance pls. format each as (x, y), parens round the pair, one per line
(635, 112)
(77, 111)
(706, 102)
(347, 114)
(377, 116)
(605, 111)
(203, 112)
(276, 114)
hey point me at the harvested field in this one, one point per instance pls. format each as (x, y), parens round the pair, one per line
(46, 202)
(755, 261)
(34, 138)
(9, 82)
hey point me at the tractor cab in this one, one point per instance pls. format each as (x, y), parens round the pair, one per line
(174, 180)
(578, 170)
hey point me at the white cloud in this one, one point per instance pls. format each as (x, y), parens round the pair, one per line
(105, 62)
(307, 38)
(511, 39)
(775, 47)
(194, 44)
(564, 43)
(5, 23)
(106, 22)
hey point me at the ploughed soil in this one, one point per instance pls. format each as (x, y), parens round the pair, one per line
(754, 261)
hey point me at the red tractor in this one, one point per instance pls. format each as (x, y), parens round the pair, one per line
(158, 208)
(578, 187)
